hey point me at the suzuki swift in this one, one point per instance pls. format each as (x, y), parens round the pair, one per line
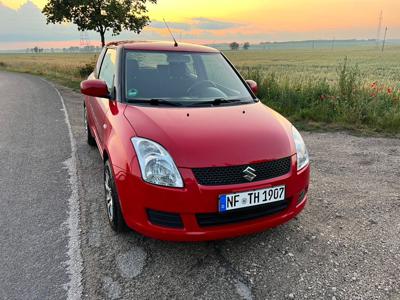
(189, 151)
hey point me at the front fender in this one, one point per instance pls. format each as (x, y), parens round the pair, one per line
(118, 136)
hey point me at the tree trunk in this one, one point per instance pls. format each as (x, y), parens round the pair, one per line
(103, 40)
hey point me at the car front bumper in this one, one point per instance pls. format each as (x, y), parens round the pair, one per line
(138, 198)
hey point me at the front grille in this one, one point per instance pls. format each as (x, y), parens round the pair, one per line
(235, 174)
(241, 215)
(164, 219)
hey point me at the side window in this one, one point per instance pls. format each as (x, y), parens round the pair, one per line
(150, 60)
(215, 68)
(108, 68)
(190, 65)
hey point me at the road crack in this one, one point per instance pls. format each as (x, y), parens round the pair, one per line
(241, 282)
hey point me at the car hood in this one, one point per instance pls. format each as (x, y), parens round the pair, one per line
(215, 136)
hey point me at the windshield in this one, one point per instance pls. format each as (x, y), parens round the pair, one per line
(182, 77)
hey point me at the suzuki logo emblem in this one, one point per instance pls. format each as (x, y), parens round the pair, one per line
(249, 174)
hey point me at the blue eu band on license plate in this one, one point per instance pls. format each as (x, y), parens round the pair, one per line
(251, 198)
(222, 203)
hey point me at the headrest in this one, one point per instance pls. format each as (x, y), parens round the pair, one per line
(163, 68)
(132, 65)
(177, 69)
(178, 58)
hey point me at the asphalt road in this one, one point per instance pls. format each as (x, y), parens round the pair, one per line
(34, 190)
(345, 245)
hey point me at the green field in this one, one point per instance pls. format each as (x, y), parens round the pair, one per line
(355, 88)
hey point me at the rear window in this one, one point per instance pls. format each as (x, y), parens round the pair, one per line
(148, 60)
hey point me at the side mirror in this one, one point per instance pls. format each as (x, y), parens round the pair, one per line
(95, 88)
(253, 86)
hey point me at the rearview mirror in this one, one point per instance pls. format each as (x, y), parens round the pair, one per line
(95, 88)
(253, 86)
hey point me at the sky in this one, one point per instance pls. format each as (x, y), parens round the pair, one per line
(215, 21)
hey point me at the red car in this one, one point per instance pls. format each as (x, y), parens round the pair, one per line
(189, 151)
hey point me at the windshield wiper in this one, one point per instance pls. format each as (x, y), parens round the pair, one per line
(155, 101)
(217, 101)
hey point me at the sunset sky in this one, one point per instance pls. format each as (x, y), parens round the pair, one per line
(223, 21)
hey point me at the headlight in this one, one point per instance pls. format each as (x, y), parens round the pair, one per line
(156, 165)
(301, 150)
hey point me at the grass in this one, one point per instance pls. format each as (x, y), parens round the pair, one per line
(354, 88)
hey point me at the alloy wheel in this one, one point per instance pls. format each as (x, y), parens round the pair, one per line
(85, 120)
(108, 196)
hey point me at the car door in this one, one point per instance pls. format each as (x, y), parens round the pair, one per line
(101, 106)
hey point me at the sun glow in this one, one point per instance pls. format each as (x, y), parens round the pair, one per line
(266, 20)
(15, 4)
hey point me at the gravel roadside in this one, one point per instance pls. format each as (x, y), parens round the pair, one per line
(345, 245)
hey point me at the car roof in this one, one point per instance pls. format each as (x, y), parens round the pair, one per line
(162, 46)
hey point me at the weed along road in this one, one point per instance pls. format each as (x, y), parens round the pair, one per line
(56, 243)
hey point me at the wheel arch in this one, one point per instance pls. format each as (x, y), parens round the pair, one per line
(106, 156)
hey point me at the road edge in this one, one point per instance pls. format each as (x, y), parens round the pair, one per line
(74, 262)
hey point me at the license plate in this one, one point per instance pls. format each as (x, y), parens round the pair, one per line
(251, 198)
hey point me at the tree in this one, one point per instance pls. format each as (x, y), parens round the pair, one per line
(100, 15)
(246, 46)
(234, 46)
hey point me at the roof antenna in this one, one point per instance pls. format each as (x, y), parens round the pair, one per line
(176, 43)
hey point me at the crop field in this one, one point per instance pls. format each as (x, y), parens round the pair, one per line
(353, 88)
(323, 63)
(66, 69)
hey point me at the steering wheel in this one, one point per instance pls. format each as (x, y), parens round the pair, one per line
(201, 84)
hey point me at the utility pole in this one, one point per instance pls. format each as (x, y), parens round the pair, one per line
(84, 40)
(378, 33)
(384, 39)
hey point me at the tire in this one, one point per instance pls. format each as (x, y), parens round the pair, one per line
(113, 208)
(90, 139)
